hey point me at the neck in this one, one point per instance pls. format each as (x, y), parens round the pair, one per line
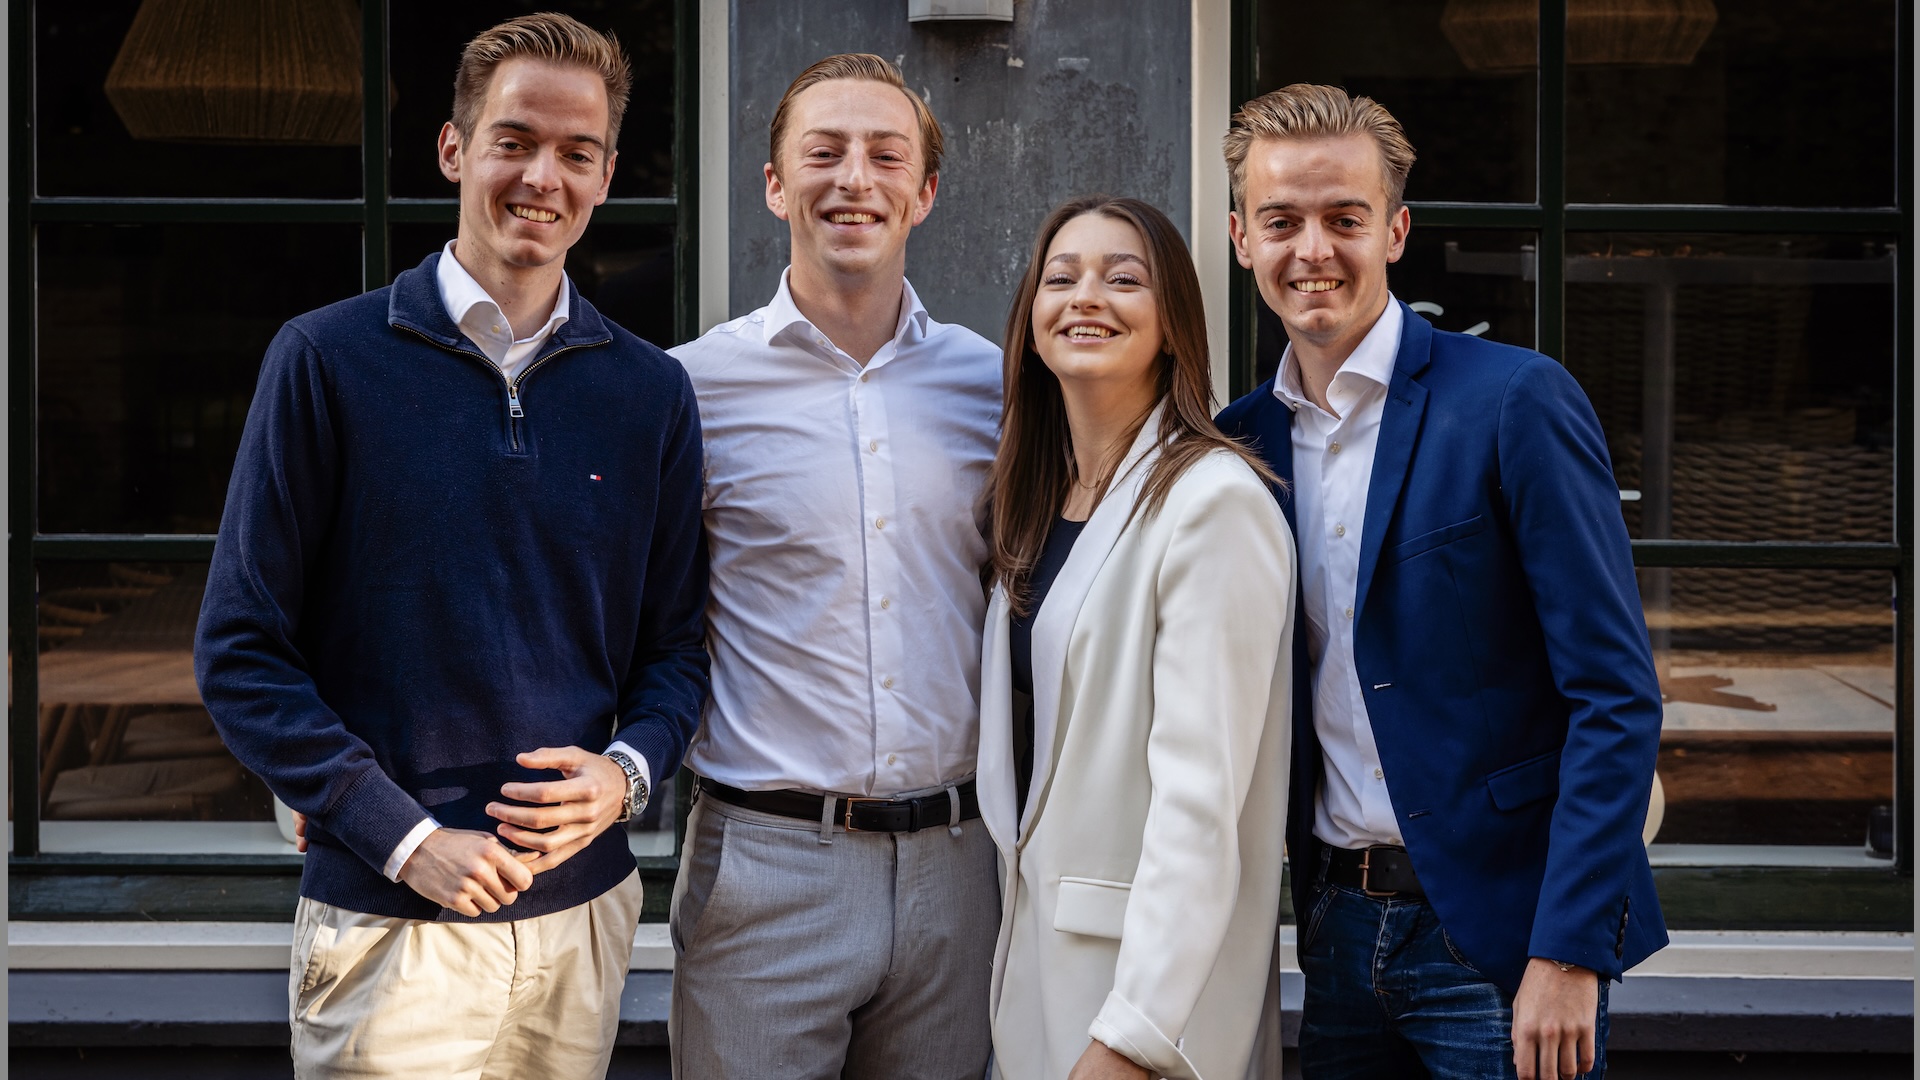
(1102, 419)
(1320, 361)
(526, 295)
(857, 312)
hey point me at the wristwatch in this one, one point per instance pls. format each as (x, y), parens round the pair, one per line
(636, 785)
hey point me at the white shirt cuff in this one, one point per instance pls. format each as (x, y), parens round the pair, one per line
(407, 846)
(646, 771)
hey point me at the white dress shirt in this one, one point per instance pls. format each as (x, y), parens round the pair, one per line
(479, 317)
(846, 540)
(1332, 467)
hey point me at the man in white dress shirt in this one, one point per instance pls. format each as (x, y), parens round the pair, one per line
(837, 901)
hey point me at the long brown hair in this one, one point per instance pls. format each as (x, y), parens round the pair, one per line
(1031, 473)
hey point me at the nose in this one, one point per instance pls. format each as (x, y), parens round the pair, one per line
(856, 173)
(540, 173)
(1086, 293)
(1313, 244)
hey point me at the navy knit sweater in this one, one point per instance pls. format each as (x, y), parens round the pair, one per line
(420, 575)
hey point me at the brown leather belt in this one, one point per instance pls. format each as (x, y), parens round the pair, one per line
(852, 813)
(1381, 871)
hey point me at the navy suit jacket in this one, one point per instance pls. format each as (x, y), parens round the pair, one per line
(1502, 655)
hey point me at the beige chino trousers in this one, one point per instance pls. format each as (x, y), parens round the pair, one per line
(374, 996)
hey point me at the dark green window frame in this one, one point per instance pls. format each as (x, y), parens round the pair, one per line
(1716, 897)
(51, 884)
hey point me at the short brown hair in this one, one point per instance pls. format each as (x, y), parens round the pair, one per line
(1311, 111)
(858, 66)
(554, 38)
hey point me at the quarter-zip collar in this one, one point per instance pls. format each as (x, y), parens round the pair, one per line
(414, 304)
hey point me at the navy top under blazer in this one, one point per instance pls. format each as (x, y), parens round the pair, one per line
(1502, 654)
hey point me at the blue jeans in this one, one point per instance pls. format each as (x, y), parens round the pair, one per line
(1390, 997)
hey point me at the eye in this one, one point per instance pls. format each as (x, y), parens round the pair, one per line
(1057, 279)
(1280, 225)
(1348, 222)
(1124, 278)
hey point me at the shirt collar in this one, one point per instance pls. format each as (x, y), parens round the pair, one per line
(1371, 360)
(783, 315)
(460, 293)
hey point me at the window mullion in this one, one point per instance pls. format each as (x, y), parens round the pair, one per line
(373, 140)
(23, 470)
(1551, 296)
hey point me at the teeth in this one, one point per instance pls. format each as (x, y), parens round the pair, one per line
(1316, 286)
(533, 215)
(1089, 332)
(852, 219)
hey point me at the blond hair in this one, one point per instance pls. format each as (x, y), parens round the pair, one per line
(857, 66)
(554, 38)
(1312, 111)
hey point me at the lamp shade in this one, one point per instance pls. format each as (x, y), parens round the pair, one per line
(1504, 35)
(241, 71)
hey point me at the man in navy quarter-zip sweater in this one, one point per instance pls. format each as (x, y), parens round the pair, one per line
(454, 614)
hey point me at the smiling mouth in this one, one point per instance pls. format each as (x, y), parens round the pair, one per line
(1314, 286)
(1082, 332)
(845, 218)
(531, 214)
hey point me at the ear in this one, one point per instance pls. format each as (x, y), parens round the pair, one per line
(923, 203)
(1397, 230)
(606, 179)
(1237, 229)
(450, 151)
(776, 192)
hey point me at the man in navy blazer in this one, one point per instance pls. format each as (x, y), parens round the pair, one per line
(1477, 713)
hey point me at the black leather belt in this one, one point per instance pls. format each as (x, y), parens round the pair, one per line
(1382, 871)
(853, 813)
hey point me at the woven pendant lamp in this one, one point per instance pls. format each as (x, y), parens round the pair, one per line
(1504, 35)
(283, 72)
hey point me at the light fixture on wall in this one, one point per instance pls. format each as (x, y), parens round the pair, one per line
(956, 10)
(282, 72)
(1504, 35)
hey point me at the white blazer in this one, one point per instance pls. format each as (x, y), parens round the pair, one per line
(1141, 892)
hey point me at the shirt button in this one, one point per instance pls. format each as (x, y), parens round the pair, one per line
(885, 603)
(890, 759)
(1349, 613)
(864, 375)
(1334, 449)
(496, 328)
(1339, 530)
(1377, 774)
(879, 523)
(886, 683)
(873, 447)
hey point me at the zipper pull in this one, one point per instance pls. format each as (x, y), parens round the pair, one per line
(513, 402)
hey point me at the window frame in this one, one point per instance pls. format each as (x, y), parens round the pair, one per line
(53, 884)
(1704, 897)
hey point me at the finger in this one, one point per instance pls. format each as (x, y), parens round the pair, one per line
(543, 817)
(551, 859)
(553, 792)
(483, 900)
(513, 870)
(545, 841)
(552, 757)
(464, 906)
(1588, 1048)
(1569, 1056)
(1523, 1055)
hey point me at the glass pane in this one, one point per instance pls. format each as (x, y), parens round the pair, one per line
(1470, 119)
(1779, 688)
(1745, 382)
(123, 735)
(1672, 116)
(430, 36)
(1469, 281)
(174, 124)
(626, 271)
(150, 340)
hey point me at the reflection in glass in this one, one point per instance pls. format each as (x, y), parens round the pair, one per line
(1473, 130)
(1463, 280)
(1745, 383)
(1779, 688)
(626, 271)
(150, 339)
(430, 36)
(83, 146)
(1777, 81)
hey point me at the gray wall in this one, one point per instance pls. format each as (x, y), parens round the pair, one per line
(1073, 96)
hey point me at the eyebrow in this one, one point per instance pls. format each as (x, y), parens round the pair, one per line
(526, 128)
(1114, 259)
(1340, 203)
(876, 134)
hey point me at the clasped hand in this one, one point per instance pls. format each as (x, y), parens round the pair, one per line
(472, 872)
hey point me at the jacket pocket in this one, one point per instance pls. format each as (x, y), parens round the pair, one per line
(1533, 779)
(1427, 541)
(1091, 906)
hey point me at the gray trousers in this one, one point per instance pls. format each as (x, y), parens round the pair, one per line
(868, 958)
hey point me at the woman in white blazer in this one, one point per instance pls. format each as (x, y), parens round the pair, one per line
(1143, 597)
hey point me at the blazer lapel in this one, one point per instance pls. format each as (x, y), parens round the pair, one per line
(1273, 427)
(1400, 417)
(1053, 626)
(995, 782)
